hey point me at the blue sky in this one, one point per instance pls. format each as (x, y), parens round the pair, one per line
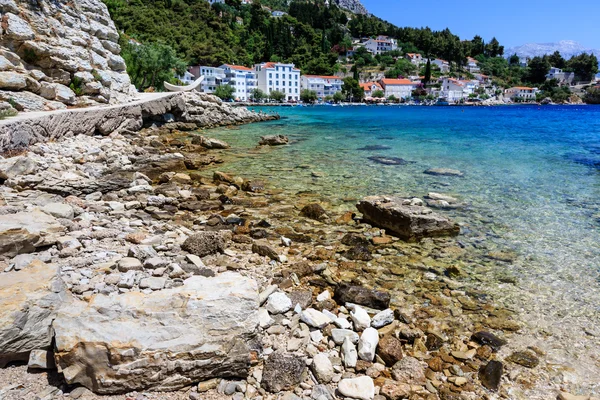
(513, 22)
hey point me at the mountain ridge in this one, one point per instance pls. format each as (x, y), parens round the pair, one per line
(567, 48)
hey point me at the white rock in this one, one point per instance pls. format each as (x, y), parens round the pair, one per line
(383, 318)
(331, 315)
(264, 319)
(286, 242)
(357, 388)
(322, 368)
(129, 264)
(324, 296)
(264, 295)
(316, 336)
(360, 317)
(314, 318)
(194, 259)
(349, 353)
(342, 323)
(153, 283)
(339, 335)
(59, 210)
(368, 344)
(278, 303)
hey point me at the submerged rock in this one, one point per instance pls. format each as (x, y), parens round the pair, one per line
(374, 147)
(273, 140)
(488, 338)
(409, 222)
(490, 374)
(161, 341)
(313, 211)
(372, 298)
(443, 172)
(389, 160)
(29, 300)
(524, 358)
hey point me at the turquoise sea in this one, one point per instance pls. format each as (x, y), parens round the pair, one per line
(531, 184)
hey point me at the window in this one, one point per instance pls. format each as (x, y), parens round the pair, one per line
(296, 84)
(277, 76)
(283, 83)
(283, 76)
(270, 75)
(270, 83)
(276, 83)
(290, 83)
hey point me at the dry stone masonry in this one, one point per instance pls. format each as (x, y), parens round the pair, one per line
(55, 54)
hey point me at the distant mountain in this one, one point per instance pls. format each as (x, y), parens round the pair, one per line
(567, 49)
(352, 5)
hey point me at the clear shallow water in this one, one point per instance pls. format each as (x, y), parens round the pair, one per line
(532, 182)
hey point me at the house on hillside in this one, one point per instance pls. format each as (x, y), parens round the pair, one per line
(443, 65)
(323, 85)
(216, 1)
(401, 88)
(560, 75)
(187, 78)
(521, 92)
(415, 58)
(280, 77)
(381, 45)
(454, 90)
(370, 88)
(243, 79)
(472, 65)
(278, 14)
(483, 79)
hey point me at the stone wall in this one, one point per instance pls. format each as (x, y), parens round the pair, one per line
(55, 54)
(201, 109)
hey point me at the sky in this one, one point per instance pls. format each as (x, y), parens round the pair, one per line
(512, 22)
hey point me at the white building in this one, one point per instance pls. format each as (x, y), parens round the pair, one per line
(323, 85)
(415, 58)
(213, 77)
(187, 78)
(443, 65)
(472, 65)
(216, 1)
(381, 44)
(243, 79)
(278, 14)
(370, 88)
(454, 90)
(280, 77)
(560, 75)
(521, 92)
(400, 88)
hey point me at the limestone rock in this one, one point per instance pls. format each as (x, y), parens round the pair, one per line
(278, 303)
(204, 244)
(282, 371)
(314, 318)
(322, 368)
(25, 231)
(339, 336)
(368, 344)
(382, 318)
(409, 222)
(361, 388)
(59, 210)
(29, 300)
(12, 80)
(161, 341)
(349, 352)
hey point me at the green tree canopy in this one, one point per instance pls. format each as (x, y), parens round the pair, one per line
(538, 68)
(352, 90)
(225, 92)
(149, 65)
(378, 94)
(584, 65)
(308, 96)
(277, 96)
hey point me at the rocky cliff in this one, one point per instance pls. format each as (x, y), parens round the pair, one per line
(60, 53)
(353, 5)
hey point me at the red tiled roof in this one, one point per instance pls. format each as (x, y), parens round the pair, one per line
(397, 82)
(239, 67)
(369, 85)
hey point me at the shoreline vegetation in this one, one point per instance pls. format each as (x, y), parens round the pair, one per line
(328, 306)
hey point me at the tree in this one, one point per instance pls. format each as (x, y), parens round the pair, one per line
(493, 48)
(308, 96)
(277, 96)
(224, 92)
(584, 65)
(427, 76)
(592, 96)
(258, 95)
(352, 90)
(514, 60)
(538, 68)
(338, 97)
(557, 60)
(149, 65)
(393, 99)
(379, 94)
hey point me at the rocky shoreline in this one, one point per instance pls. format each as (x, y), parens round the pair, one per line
(132, 274)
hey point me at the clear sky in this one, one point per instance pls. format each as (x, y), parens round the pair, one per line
(513, 22)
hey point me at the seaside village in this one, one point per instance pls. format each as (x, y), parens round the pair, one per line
(468, 86)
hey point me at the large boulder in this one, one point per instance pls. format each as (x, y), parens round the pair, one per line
(273, 140)
(409, 222)
(29, 300)
(160, 341)
(25, 231)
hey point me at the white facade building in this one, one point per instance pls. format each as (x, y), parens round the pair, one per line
(560, 75)
(213, 77)
(323, 85)
(381, 44)
(187, 78)
(454, 90)
(243, 79)
(443, 65)
(415, 58)
(280, 77)
(400, 88)
(472, 65)
(521, 92)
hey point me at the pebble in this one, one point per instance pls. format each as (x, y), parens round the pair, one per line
(349, 353)
(360, 318)
(368, 344)
(383, 318)
(339, 335)
(322, 368)
(314, 318)
(324, 296)
(361, 388)
(278, 303)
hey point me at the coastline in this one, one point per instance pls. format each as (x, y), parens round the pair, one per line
(434, 297)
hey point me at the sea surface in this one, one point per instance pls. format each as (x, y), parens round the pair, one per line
(531, 187)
